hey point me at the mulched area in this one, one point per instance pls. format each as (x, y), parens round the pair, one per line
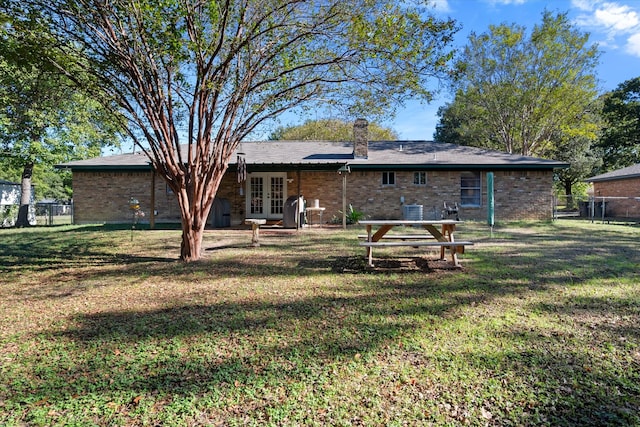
(358, 264)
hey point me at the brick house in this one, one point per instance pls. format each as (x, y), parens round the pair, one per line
(620, 190)
(379, 178)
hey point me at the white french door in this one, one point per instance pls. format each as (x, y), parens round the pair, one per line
(266, 195)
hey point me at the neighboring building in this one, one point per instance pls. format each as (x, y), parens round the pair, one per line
(620, 190)
(10, 202)
(384, 177)
(9, 193)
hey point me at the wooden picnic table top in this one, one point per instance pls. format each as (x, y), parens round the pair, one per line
(408, 222)
(444, 236)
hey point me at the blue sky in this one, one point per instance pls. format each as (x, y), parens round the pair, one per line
(613, 24)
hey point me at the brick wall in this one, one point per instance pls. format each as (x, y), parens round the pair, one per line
(103, 197)
(525, 195)
(627, 188)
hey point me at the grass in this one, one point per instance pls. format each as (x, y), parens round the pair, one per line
(102, 326)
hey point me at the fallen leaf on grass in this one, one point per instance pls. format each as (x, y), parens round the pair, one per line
(486, 414)
(41, 401)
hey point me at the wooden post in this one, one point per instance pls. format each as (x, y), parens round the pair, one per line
(255, 238)
(255, 230)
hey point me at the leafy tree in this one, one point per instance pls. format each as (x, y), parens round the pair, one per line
(329, 130)
(197, 77)
(578, 147)
(459, 124)
(515, 92)
(44, 119)
(583, 158)
(620, 139)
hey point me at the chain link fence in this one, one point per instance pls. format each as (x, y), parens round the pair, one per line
(606, 209)
(44, 214)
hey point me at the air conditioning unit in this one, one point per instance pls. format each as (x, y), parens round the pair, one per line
(412, 212)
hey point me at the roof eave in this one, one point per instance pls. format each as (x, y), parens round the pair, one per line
(612, 178)
(105, 168)
(442, 166)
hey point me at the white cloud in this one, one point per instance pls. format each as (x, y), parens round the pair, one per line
(619, 18)
(586, 5)
(617, 22)
(614, 18)
(440, 5)
(507, 2)
(633, 45)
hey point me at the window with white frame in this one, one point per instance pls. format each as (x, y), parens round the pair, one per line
(419, 178)
(388, 178)
(470, 189)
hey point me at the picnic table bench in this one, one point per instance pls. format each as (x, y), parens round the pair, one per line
(442, 238)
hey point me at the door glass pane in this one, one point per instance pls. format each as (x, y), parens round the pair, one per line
(277, 195)
(256, 191)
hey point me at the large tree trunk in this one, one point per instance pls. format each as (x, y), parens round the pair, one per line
(191, 246)
(195, 204)
(25, 196)
(193, 226)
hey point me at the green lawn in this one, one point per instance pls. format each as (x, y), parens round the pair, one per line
(102, 326)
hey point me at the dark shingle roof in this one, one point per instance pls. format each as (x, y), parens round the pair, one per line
(330, 155)
(5, 182)
(624, 173)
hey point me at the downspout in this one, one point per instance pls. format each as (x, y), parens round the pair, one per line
(298, 208)
(152, 214)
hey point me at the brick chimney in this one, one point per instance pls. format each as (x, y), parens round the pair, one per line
(360, 139)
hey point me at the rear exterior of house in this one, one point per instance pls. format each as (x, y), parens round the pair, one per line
(620, 192)
(381, 179)
(103, 196)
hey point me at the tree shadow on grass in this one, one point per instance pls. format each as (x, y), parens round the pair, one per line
(256, 350)
(194, 349)
(241, 348)
(559, 385)
(50, 249)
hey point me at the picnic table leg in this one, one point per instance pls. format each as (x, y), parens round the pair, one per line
(369, 248)
(445, 235)
(447, 231)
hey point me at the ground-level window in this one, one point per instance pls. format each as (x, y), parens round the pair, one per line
(470, 189)
(388, 178)
(419, 178)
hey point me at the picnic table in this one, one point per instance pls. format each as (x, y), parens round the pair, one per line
(440, 233)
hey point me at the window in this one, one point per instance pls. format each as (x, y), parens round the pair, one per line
(388, 178)
(470, 190)
(419, 178)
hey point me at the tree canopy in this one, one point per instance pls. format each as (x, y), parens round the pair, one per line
(620, 140)
(329, 130)
(515, 92)
(205, 74)
(578, 147)
(44, 118)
